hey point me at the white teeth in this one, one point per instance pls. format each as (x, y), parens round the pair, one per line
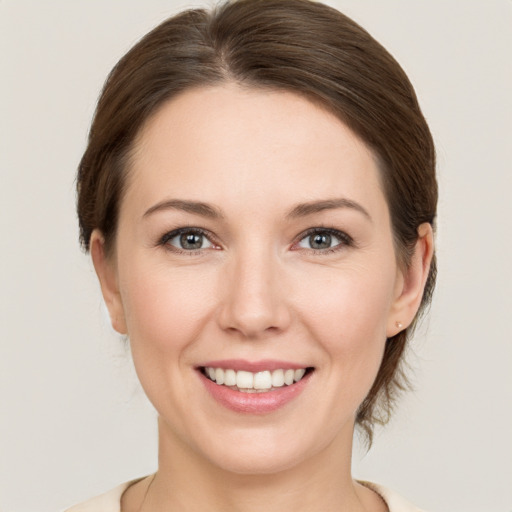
(219, 376)
(230, 377)
(262, 380)
(254, 382)
(298, 374)
(244, 379)
(277, 378)
(288, 377)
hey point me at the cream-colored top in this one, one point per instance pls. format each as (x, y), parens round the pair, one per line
(111, 501)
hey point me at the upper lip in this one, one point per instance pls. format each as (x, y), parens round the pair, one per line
(253, 366)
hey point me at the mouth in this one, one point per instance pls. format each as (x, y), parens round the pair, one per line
(254, 387)
(263, 381)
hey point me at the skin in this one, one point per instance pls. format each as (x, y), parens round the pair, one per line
(256, 290)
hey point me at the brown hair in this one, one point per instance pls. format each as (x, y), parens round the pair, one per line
(294, 45)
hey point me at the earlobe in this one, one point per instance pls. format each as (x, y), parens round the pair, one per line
(107, 276)
(412, 282)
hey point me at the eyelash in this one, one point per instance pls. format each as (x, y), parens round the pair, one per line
(344, 238)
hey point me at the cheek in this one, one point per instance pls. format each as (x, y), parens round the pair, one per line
(348, 315)
(165, 309)
(354, 301)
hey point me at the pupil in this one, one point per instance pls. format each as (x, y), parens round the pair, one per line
(191, 241)
(320, 241)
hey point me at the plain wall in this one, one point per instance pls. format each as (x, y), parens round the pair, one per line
(73, 422)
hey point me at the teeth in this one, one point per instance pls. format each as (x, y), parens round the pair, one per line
(298, 374)
(262, 380)
(243, 379)
(219, 375)
(254, 382)
(230, 378)
(288, 377)
(277, 378)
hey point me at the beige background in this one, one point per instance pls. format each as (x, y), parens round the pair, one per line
(72, 420)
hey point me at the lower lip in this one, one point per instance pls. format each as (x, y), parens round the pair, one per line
(254, 403)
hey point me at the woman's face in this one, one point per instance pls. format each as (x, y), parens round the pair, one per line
(254, 240)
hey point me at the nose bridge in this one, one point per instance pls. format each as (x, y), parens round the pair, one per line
(253, 300)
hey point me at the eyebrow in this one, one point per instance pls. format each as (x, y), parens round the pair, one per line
(199, 208)
(304, 209)
(301, 210)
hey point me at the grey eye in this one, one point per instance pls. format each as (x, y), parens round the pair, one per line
(190, 241)
(321, 240)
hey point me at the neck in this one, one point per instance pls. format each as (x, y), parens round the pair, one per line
(187, 481)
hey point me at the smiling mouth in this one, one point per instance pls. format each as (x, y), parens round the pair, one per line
(255, 382)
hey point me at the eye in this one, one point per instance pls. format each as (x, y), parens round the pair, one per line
(321, 239)
(187, 239)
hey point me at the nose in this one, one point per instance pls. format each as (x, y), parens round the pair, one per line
(253, 300)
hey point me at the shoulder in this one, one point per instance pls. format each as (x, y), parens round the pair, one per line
(107, 502)
(394, 501)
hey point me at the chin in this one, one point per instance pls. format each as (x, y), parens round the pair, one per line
(262, 452)
(261, 462)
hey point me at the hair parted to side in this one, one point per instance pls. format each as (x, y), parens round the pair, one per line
(293, 45)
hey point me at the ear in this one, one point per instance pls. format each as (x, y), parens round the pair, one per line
(107, 274)
(411, 282)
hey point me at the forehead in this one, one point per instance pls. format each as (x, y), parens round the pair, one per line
(226, 143)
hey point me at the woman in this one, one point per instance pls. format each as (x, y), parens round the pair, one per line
(258, 196)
